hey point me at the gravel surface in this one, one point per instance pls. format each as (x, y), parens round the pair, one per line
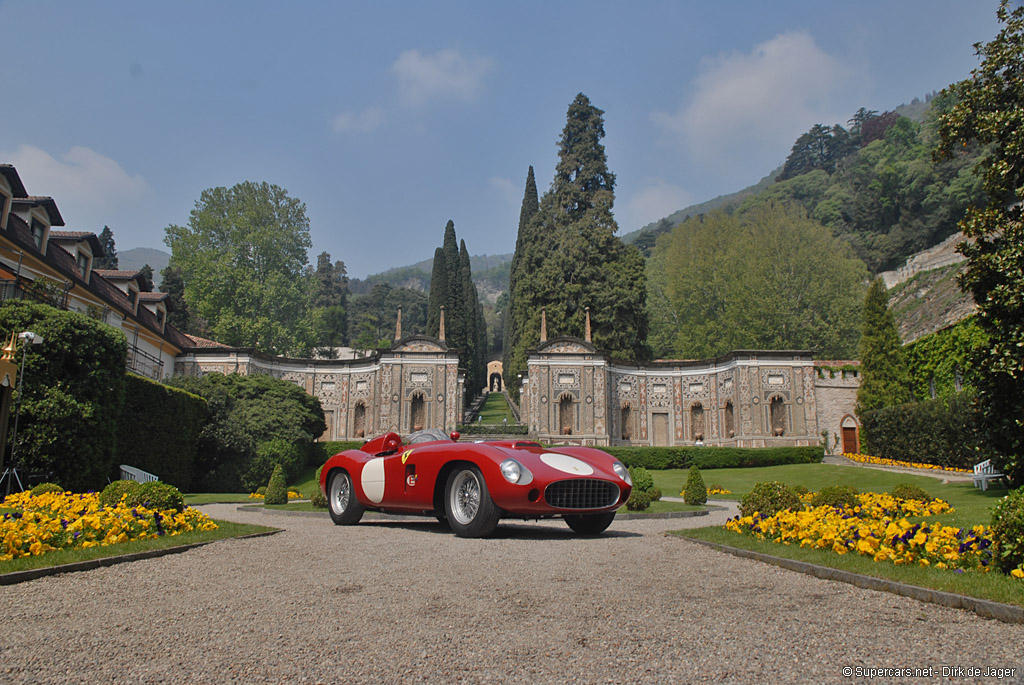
(406, 601)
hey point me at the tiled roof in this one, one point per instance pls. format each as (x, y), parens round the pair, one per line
(42, 201)
(153, 297)
(204, 343)
(70, 235)
(11, 174)
(60, 259)
(117, 274)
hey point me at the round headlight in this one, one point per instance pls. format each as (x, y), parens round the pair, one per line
(622, 472)
(512, 471)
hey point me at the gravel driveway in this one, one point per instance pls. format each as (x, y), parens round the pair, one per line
(396, 601)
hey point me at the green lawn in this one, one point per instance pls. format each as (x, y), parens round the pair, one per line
(971, 507)
(495, 410)
(226, 529)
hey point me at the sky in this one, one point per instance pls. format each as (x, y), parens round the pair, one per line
(387, 119)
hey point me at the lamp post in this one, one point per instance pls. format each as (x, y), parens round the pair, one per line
(11, 473)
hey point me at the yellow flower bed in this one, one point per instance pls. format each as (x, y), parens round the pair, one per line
(867, 459)
(292, 494)
(62, 520)
(878, 528)
(719, 491)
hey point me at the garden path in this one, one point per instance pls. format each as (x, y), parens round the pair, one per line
(403, 600)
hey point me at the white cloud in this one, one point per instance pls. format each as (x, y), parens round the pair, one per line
(750, 107)
(365, 121)
(90, 190)
(505, 188)
(655, 201)
(447, 73)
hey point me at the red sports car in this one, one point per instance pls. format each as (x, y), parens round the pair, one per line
(472, 485)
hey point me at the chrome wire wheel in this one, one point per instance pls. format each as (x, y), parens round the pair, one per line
(465, 497)
(342, 503)
(341, 493)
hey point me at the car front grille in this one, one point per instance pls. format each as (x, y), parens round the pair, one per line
(581, 493)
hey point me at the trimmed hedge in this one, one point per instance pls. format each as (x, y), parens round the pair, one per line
(492, 429)
(938, 432)
(160, 428)
(715, 457)
(328, 448)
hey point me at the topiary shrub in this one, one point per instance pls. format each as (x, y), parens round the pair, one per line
(654, 494)
(46, 487)
(317, 499)
(159, 496)
(261, 490)
(638, 501)
(838, 496)
(695, 492)
(111, 495)
(277, 488)
(908, 491)
(1008, 531)
(642, 480)
(768, 499)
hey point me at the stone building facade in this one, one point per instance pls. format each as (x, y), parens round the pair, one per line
(414, 385)
(573, 393)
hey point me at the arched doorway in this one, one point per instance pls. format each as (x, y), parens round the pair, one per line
(850, 438)
(777, 416)
(359, 420)
(697, 421)
(495, 383)
(566, 415)
(417, 413)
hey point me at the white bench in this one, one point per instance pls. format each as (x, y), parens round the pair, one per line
(137, 475)
(984, 472)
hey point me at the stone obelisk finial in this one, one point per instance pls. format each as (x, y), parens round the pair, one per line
(586, 334)
(543, 324)
(398, 324)
(440, 333)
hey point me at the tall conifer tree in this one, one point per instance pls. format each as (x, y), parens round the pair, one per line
(573, 259)
(884, 379)
(514, 318)
(109, 258)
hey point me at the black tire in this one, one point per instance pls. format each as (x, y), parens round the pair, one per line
(590, 524)
(345, 509)
(468, 506)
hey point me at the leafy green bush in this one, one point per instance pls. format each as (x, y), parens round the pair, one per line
(768, 498)
(244, 413)
(261, 490)
(327, 449)
(654, 494)
(111, 495)
(638, 500)
(73, 393)
(46, 487)
(800, 489)
(908, 491)
(939, 432)
(642, 480)
(695, 492)
(271, 453)
(159, 430)
(159, 496)
(317, 499)
(838, 496)
(277, 488)
(715, 457)
(1008, 531)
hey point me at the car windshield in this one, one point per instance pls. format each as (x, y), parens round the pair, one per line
(429, 435)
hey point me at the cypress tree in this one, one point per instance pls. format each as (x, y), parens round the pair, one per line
(571, 258)
(514, 318)
(884, 378)
(438, 295)
(109, 258)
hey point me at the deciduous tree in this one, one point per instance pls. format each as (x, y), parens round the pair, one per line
(989, 110)
(242, 259)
